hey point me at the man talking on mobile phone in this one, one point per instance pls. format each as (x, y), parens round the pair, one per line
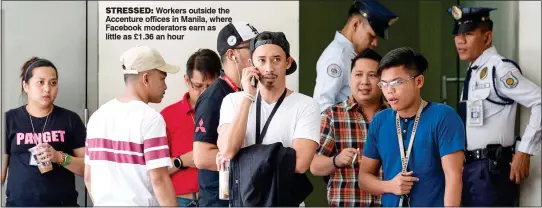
(269, 113)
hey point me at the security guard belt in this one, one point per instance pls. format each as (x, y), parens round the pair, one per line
(492, 152)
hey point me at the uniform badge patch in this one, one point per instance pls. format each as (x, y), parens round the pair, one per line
(483, 73)
(457, 13)
(509, 80)
(334, 71)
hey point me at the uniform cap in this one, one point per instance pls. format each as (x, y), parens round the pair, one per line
(467, 19)
(143, 58)
(380, 18)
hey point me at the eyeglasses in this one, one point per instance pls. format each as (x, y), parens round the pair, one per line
(198, 86)
(394, 83)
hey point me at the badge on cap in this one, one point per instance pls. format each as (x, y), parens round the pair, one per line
(334, 71)
(483, 73)
(509, 80)
(456, 12)
(232, 40)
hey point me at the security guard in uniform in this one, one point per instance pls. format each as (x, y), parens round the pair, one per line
(367, 19)
(493, 86)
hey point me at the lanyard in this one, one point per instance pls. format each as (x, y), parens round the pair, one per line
(406, 157)
(259, 136)
(230, 82)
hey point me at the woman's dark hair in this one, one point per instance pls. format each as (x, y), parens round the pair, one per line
(206, 61)
(368, 54)
(34, 62)
(404, 56)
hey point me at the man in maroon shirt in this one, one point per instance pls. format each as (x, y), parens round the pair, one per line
(202, 68)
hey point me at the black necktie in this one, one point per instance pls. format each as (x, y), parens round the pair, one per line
(463, 105)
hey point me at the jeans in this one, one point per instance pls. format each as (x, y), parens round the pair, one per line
(182, 202)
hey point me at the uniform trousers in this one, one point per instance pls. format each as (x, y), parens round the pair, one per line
(482, 188)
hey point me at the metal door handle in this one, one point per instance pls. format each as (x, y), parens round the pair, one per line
(85, 115)
(445, 80)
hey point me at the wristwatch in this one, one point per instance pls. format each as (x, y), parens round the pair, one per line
(178, 163)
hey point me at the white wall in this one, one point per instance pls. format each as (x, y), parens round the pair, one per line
(529, 60)
(263, 15)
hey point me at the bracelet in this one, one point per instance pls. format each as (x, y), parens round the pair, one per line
(249, 96)
(63, 158)
(335, 164)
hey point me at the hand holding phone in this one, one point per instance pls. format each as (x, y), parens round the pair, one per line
(249, 81)
(254, 81)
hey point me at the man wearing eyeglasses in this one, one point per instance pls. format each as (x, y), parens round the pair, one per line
(367, 20)
(493, 88)
(202, 68)
(419, 144)
(233, 47)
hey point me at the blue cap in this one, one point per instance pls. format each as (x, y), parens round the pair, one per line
(467, 19)
(380, 18)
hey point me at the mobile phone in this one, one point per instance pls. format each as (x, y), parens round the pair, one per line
(254, 81)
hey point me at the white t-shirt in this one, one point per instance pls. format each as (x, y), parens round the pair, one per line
(298, 117)
(125, 141)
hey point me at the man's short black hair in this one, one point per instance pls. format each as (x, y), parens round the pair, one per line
(486, 26)
(404, 56)
(368, 54)
(206, 61)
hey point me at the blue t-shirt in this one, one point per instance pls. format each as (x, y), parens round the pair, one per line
(440, 132)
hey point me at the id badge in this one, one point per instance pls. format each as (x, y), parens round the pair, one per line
(475, 113)
(33, 160)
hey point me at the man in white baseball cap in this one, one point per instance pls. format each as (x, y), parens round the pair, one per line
(127, 148)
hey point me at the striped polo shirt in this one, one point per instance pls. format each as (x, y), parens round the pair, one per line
(124, 141)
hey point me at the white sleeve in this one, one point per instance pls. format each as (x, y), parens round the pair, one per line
(227, 111)
(512, 84)
(155, 143)
(90, 129)
(308, 123)
(329, 82)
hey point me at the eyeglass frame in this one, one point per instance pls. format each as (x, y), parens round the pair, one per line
(396, 83)
(203, 87)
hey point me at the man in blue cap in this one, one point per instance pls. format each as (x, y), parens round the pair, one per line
(493, 86)
(367, 20)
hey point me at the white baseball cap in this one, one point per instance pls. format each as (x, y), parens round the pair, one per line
(143, 58)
